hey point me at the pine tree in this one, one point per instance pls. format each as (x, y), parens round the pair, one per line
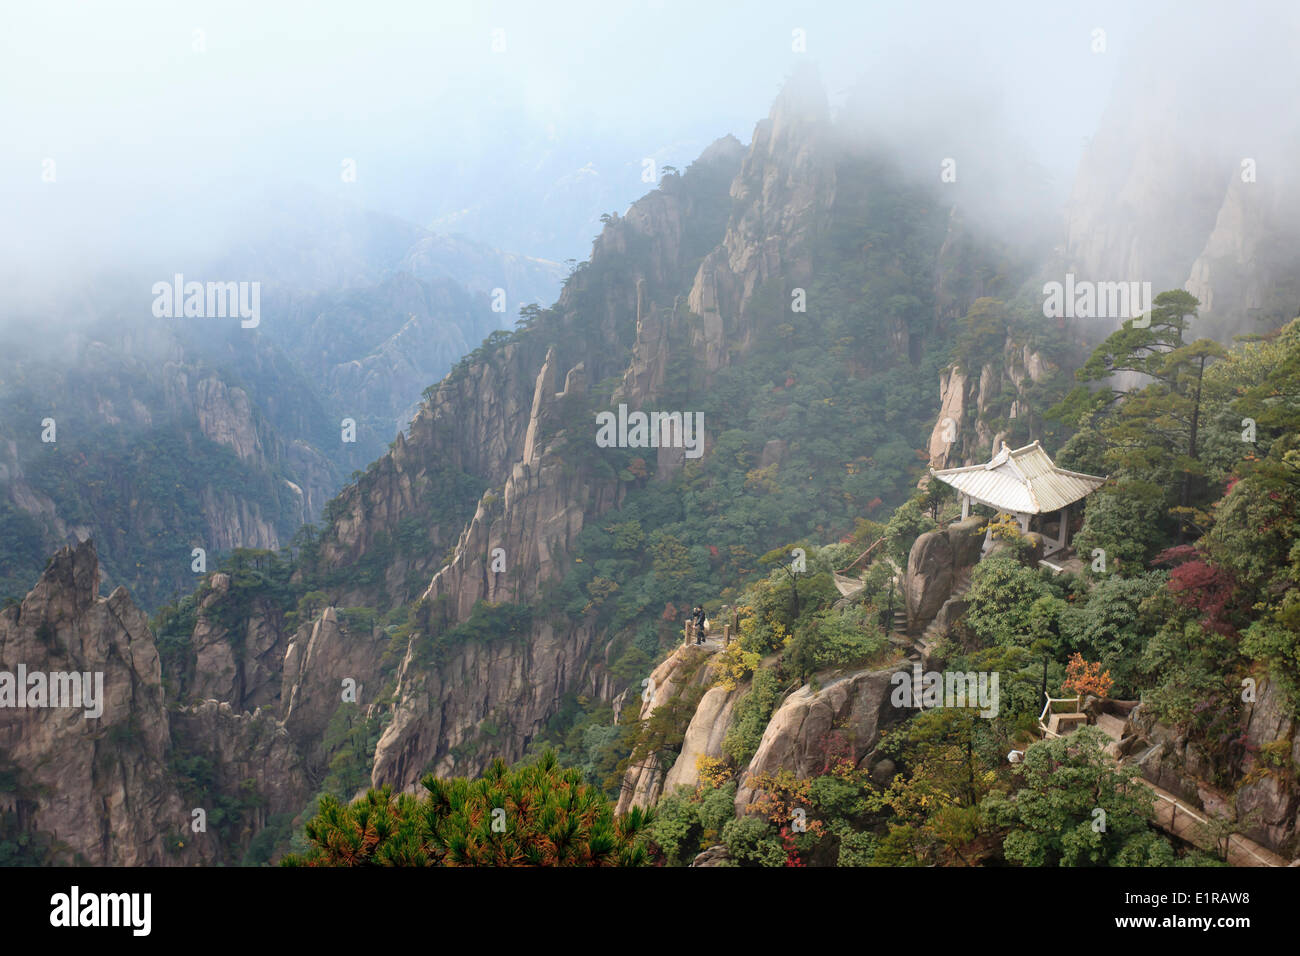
(536, 815)
(1150, 430)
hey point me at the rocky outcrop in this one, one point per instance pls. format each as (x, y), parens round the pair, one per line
(713, 856)
(249, 754)
(377, 349)
(100, 779)
(1248, 255)
(970, 398)
(704, 736)
(225, 416)
(648, 370)
(1144, 197)
(1266, 799)
(242, 668)
(1182, 188)
(685, 667)
(203, 456)
(812, 728)
(782, 196)
(487, 701)
(235, 522)
(320, 658)
(97, 782)
(934, 564)
(510, 419)
(543, 507)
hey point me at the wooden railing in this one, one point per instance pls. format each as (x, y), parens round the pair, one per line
(728, 627)
(858, 559)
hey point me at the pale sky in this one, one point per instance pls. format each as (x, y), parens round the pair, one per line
(156, 114)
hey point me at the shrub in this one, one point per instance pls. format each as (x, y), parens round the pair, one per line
(537, 815)
(857, 849)
(734, 665)
(750, 717)
(834, 639)
(752, 841)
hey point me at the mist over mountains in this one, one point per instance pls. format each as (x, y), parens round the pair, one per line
(362, 311)
(372, 538)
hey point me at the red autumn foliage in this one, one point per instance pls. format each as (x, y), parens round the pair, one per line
(1176, 555)
(837, 752)
(1199, 585)
(1206, 589)
(791, 850)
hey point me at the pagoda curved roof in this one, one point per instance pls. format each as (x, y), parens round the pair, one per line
(1023, 480)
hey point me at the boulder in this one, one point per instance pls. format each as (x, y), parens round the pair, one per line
(704, 736)
(798, 737)
(966, 538)
(882, 774)
(643, 782)
(713, 856)
(934, 564)
(929, 578)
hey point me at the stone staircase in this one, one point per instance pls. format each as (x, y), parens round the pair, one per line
(898, 630)
(923, 644)
(916, 647)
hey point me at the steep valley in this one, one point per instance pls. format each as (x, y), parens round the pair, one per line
(496, 583)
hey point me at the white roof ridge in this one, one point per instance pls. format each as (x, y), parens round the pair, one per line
(1080, 474)
(1004, 484)
(1024, 479)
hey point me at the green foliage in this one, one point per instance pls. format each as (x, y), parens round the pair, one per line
(584, 735)
(857, 849)
(982, 335)
(276, 833)
(349, 744)
(535, 815)
(1011, 604)
(794, 396)
(752, 841)
(1128, 521)
(750, 715)
(359, 620)
(20, 843)
(231, 807)
(486, 623)
(22, 553)
(838, 639)
(20, 846)
(686, 822)
(1151, 434)
(1111, 626)
(908, 522)
(1054, 819)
